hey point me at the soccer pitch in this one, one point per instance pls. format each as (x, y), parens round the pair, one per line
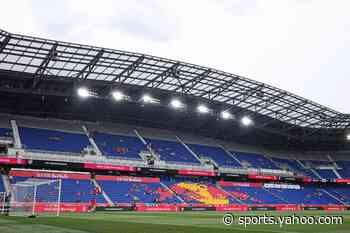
(136, 222)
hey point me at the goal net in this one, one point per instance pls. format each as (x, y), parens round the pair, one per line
(33, 197)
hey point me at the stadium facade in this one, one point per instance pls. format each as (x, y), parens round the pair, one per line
(133, 131)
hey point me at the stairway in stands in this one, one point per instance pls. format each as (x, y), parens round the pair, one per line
(170, 190)
(104, 194)
(234, 199)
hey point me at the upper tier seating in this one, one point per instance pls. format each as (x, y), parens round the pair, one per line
(305, 195)
(119, 145)
(172, 151)
(137, 192)
(294, 166)
(315, 163)
(5, 132)
(311, 174)
(215, 153)
(253, 195)
(326, 173)
(255, 160)
(290, 164)
(345, 171)
(52, 140)
(73, 191)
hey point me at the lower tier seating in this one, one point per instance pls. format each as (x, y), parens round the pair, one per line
(342, 193)
(201, 193)
(305, 195)
(137, 192)
(257, 194)
(78, 188)
(253, 195)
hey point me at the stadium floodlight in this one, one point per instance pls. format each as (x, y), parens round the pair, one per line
(118, 95)
(203, 109)
(348, 137)
(177, 104)
(246, 121)
(226, 115)
(148, 99)
(83, 92)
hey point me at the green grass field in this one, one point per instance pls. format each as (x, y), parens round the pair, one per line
(136, 222)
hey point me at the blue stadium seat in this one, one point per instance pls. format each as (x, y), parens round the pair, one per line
(136, 192)
(311, 174)
(5, 132)
(294, 166)
(119, 145)
(127, 192)
(326, 173)
(215, 153)
(2, 187)
(315, 163)
(52, 140)
(340, 192)
(172, 151)
(253, 195)
(200, 192)
(290, 164)
(345, 169)
(255, 160)
(305, 195)
(79, 191)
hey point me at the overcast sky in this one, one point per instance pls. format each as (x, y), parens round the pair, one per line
(302, 46)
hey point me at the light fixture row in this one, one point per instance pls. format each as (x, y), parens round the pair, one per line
(175, 103)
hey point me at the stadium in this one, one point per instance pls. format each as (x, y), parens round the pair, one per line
(95, 139)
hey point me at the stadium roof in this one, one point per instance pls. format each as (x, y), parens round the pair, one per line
(50, 59)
